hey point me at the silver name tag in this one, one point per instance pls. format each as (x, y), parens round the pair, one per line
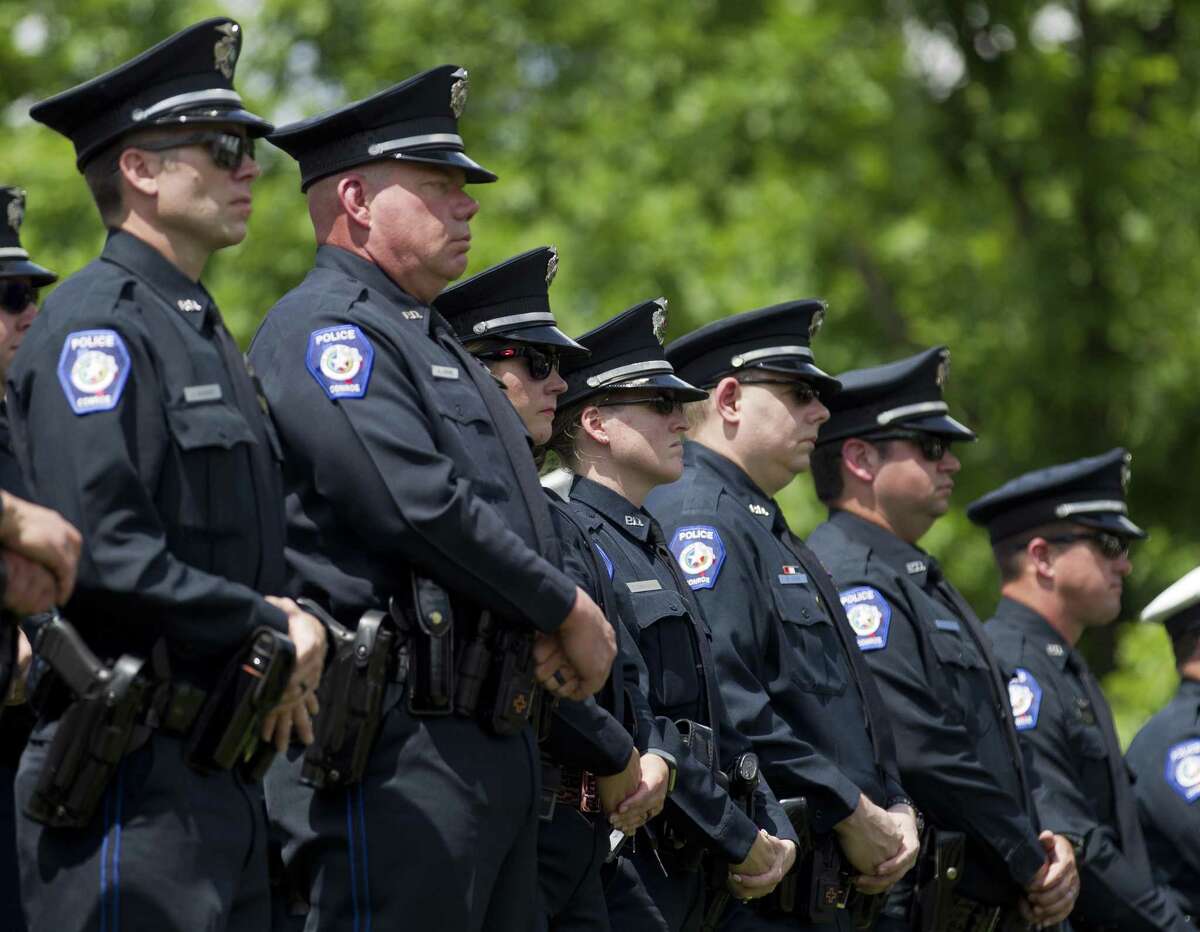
(195, 394)
(644, 585)
(445, 372)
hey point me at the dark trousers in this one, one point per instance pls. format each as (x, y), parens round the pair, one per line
(10, 885)
(168, 849)
(641, 898)
(440, 834)
(743, 918)
(571, 850)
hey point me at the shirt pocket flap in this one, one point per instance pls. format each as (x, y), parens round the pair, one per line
(954, 646)
(196, 427)
(653, 606)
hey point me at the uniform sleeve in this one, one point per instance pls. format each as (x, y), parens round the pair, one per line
(98, 469)
(1112, 892)
(377, 458)
(938, 763)
(746, 650)
(697, 796)
(585, 733)
(1168, 806)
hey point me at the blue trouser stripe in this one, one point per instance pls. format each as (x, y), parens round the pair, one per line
(366, 875)
(350, 848)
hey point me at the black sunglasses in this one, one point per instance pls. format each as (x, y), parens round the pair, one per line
(932, 447)
(1110, 546)
(660, 404)
(16, 296)
(540, 361)
(227, 149)
(804, 393)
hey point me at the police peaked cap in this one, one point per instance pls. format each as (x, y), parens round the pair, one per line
(414, 121)
(185, 80)
(14, 260)
(1177, 606)
(1089, 492)
(904, 395)
(509, 301)
(773, 339)
(626, 353)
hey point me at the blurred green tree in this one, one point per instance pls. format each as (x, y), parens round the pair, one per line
(1013, 179)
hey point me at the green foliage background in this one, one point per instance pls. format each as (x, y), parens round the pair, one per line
(1013, 179)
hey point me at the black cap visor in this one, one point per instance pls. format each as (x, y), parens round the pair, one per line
(448, 158)
(943, 425)
(544, 335)
(255, 125)
(1111, 523)
(825, 384)
(23, 268)
(663, 381)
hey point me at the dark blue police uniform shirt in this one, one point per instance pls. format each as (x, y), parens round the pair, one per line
(1165, 760)
(959, 757)
(133, 416)
(598, 734)
(391, 458)
(671, 638)
(1065, 734)
(782, 667)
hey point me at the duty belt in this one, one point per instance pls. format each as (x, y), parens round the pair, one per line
(968, 915)
(568, 786)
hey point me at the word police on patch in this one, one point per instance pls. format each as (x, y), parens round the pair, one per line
(92, 369)
(869, 615)
(340, 359)
(700, 554)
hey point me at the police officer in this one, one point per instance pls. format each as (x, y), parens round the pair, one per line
(1165, 755)
(1061, 539)
(884, 467)
(20, 279)
(790, 673)
(133, 414)
(29, 586)
(619, 430)
(591, 765)
(407, 473)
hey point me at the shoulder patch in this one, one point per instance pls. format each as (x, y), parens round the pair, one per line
(1183, 769)
(340, 359)
(869, 615)
(93, 369)
(605, 558)
(700, 554)
(1025, 697)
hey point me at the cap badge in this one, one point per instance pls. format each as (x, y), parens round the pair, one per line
(225, 51)
(458, 92)
(814, 326)
(943, 370)
(16, 210)
(551, 266)
(658, 321)
(1126, 471)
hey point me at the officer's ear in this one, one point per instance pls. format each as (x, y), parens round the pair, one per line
(591, 422)
(140, 168)
(1039, 553)
(725, 398)
(861, 459)
(354, 200)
